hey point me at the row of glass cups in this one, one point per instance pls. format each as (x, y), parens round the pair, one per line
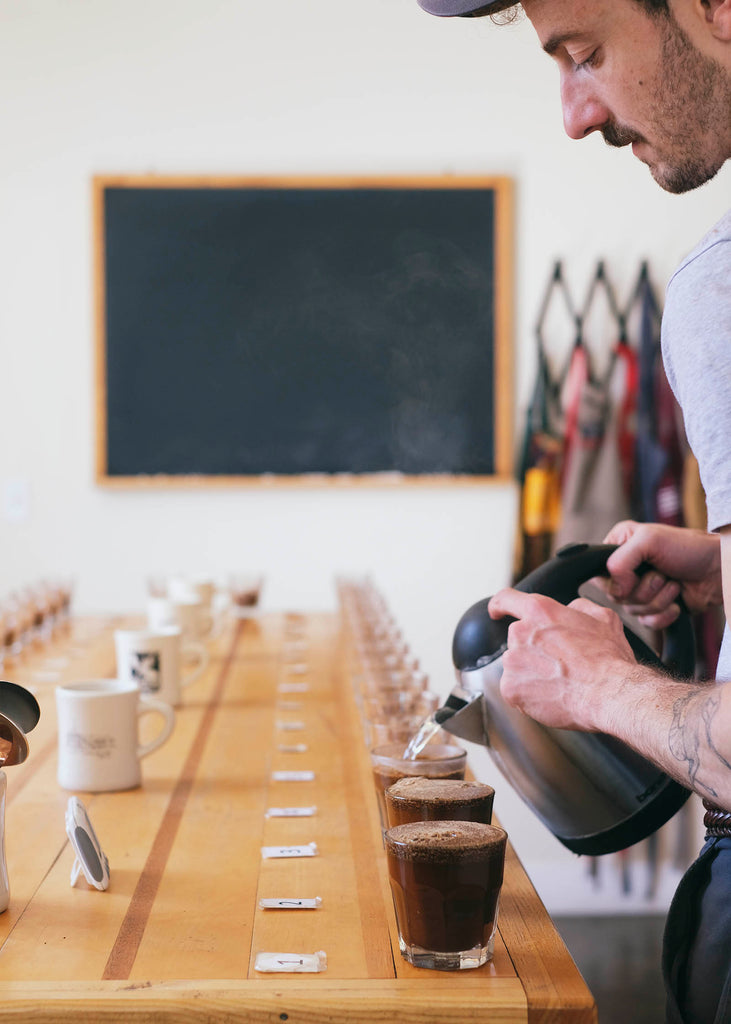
(391, 691)
(32, 615)
(445, 858)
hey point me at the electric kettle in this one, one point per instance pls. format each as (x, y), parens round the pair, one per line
(593, 792)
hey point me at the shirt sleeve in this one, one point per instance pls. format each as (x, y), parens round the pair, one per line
(696, 340)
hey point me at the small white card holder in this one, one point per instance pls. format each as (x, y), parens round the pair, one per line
(90, 858)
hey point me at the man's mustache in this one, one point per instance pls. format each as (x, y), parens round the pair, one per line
(615, 135)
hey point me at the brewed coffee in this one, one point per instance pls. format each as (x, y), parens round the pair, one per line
(445, 880)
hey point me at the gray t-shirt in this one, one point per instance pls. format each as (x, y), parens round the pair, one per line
(696, 347)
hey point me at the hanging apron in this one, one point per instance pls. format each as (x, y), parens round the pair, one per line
(650, 456)
(539, 472)
(599, 450)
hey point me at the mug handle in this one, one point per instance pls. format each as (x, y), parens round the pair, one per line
(203, 658)
(150, 704)
(215, 624)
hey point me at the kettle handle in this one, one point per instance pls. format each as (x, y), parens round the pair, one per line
(478, 639)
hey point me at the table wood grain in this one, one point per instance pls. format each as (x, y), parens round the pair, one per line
(175, 936)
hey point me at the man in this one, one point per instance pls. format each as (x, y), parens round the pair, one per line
(654, 75)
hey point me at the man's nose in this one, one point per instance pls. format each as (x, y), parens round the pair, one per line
(583, 110)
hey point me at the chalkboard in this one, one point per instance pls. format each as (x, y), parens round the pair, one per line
(297, 327)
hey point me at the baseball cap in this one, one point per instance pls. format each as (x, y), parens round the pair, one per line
(458, 8)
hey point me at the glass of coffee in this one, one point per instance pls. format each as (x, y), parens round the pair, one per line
(445, 880)
(435, 760)
(244, 593)
(415, 798)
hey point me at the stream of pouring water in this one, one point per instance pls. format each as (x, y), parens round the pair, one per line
(428, 729)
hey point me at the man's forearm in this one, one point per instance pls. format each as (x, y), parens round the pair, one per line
(683, 727)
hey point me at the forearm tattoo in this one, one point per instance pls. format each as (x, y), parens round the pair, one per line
(690, 733)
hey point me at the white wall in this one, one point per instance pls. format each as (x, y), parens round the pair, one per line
(236, 86)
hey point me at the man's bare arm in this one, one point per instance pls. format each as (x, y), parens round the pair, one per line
(685, 728)
(699, 737)
(571, 667)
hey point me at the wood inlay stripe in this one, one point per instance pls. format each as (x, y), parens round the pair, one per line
(132, 929)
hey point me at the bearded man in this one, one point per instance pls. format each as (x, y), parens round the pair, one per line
(654, 75)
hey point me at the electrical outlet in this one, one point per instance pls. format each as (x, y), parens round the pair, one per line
(17, 500)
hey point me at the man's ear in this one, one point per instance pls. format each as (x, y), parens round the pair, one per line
(717, 14)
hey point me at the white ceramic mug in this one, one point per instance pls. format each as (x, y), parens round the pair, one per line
(190, 614)
(98, 734)
(155, 661)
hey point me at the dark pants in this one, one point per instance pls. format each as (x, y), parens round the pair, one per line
(697, 945)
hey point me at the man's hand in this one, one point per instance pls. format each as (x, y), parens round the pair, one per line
(564, 665)
(684, 562)
(571, 666)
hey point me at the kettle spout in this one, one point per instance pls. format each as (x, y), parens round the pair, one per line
(463, 715)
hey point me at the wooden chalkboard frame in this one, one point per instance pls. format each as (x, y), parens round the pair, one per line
(502, 326)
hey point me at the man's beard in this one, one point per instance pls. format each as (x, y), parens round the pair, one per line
(691, 112)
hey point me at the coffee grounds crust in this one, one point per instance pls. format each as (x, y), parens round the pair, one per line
(417, 789)
(445, 841)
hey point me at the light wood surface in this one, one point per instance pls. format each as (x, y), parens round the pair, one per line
(176, 934)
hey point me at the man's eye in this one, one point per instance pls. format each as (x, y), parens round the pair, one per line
(590, 61)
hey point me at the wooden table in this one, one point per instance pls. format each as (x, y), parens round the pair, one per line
(176, 934)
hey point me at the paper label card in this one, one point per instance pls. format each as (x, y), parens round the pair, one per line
(291, 963)
(291, 812)
(295, 644)
(284, 903)
(309, 850)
